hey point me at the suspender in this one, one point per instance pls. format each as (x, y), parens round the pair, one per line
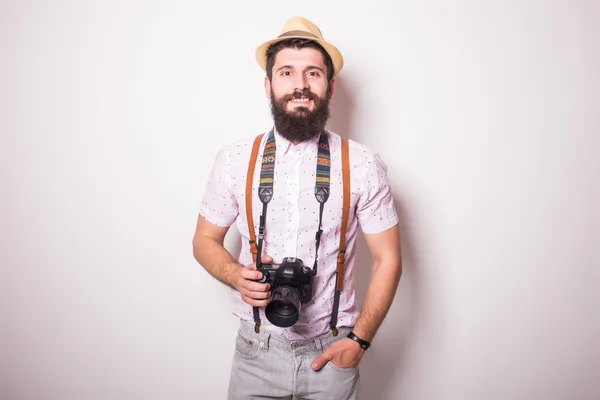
(248, 196)
(341, 258)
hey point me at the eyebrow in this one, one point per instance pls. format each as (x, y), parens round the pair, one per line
(307, 68)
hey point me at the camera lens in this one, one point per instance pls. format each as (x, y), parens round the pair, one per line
(284, 308)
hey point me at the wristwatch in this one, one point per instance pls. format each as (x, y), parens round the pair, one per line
(363, 343)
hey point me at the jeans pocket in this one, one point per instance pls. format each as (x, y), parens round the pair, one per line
(247, 348)
(340, 369)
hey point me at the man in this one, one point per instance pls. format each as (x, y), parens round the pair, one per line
(310, 350)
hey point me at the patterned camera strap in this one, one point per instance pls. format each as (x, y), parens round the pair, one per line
(322, 191)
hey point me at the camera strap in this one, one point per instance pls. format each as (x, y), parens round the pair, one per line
(322, 191)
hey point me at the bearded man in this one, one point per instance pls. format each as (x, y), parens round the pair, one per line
(301, 333)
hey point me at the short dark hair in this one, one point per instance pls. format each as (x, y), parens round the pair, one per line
(297, 44)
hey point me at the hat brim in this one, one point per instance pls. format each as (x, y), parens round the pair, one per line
(334, 53)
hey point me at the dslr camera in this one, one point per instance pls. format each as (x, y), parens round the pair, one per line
(291, 286)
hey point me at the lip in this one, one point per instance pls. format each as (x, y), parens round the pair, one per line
(303, 101)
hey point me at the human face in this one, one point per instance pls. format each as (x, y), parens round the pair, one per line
(299, 70)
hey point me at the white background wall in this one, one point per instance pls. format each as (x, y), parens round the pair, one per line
(486, 113)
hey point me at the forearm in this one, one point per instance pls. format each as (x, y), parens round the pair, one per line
(211, 254)
(380, 294)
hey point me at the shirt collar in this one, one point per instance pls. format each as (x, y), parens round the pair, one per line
(283, 145)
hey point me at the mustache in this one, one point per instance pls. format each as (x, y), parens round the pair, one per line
(298, 94)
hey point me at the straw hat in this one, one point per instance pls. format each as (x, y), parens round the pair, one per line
(299, 27)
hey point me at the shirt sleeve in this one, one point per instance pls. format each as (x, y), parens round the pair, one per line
(375, 208)
(219, 204)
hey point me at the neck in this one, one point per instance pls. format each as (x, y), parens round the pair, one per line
(295, 141)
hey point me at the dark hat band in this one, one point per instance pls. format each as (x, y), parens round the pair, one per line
(298, 33)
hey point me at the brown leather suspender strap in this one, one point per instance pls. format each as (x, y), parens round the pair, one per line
(249, 179)
(341, 258)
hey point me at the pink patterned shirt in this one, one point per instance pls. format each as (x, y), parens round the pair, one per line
(292, 219)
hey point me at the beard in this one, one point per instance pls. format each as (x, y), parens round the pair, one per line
(300, 124)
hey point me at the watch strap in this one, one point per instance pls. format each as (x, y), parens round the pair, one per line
(363, 343)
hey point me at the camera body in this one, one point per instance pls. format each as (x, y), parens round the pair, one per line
(291, 273)
(291, 284)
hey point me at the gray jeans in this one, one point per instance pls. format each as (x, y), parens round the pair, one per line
(269, 367)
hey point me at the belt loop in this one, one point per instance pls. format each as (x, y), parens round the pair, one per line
(319, 345)
(264, 339)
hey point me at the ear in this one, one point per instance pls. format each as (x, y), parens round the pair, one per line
(331, 87)
(267, 87)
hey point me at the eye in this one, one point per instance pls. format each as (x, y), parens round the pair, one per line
(286, 73)
(314, 73)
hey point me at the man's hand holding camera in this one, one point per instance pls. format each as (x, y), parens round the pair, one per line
(345, 353)
(254, 293)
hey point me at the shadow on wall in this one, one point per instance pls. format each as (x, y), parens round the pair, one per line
(384, 360)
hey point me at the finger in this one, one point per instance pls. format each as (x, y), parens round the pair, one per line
(251, 274)
(266, 259)
(247, 286)
(253, 302)
(251, 267)
(257, 295)
(252, 285)
(318, 362)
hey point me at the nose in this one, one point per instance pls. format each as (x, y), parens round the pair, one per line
(300, 82)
